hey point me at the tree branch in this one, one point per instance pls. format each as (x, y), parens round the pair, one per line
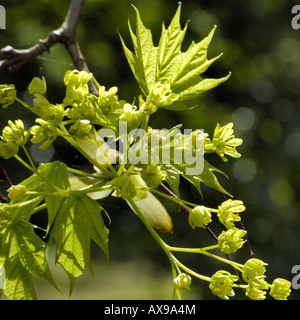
(2, 197)
(14, 58)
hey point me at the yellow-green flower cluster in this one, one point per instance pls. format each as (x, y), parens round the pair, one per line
(104, 109)
(224, 142)
(254, 274)
(76, 87)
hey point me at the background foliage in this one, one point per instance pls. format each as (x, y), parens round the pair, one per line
(261, 97)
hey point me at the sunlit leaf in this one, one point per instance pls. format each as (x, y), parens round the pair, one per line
(21, 251)
(78, 222)
(167, 64)
(207, 177)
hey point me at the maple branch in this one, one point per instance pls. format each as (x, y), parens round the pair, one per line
(2, 197)
(14, 58)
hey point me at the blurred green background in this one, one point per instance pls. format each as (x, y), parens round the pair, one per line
(261, 98)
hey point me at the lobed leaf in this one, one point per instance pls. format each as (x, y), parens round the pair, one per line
(21, 254)
(78, 222)
(207, 177)
(167, 64)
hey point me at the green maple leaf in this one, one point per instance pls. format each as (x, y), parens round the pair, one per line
(207, 177)
(21, 254)
(167, 64)
(78, 222)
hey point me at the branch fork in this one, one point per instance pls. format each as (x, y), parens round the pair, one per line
(15, 58)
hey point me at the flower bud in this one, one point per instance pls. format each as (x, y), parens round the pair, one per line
(14, 132)
(123, 187)
(153, 175)
(45, 132)
(199, 217)
(8, 149)
(221, 284)
(161, 95)
(231, 240)
(81, 128)
(8, 94)
(254, 269)
(77, 87)
(16, 192)
(5, 213)
(132, 116)
(77, 78)
(281, 289)
(37, 86)
(183, 281)
(255, 293)
(46, 110)
(228, 212)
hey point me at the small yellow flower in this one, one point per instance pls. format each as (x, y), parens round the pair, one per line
(8, 94)
(221, 284)
(132, 116)
(224, 142)
(14, 132)
(199, 217)
(5, 213)
(37, 86)
(81, 128)
(45, 132)
(253, 273)
(231, 240)
(16, 192)
(8, 149)
(161, 95)
(153, 175)
(281, 289)
(228, 212)
(183, 281)
(255, 293)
